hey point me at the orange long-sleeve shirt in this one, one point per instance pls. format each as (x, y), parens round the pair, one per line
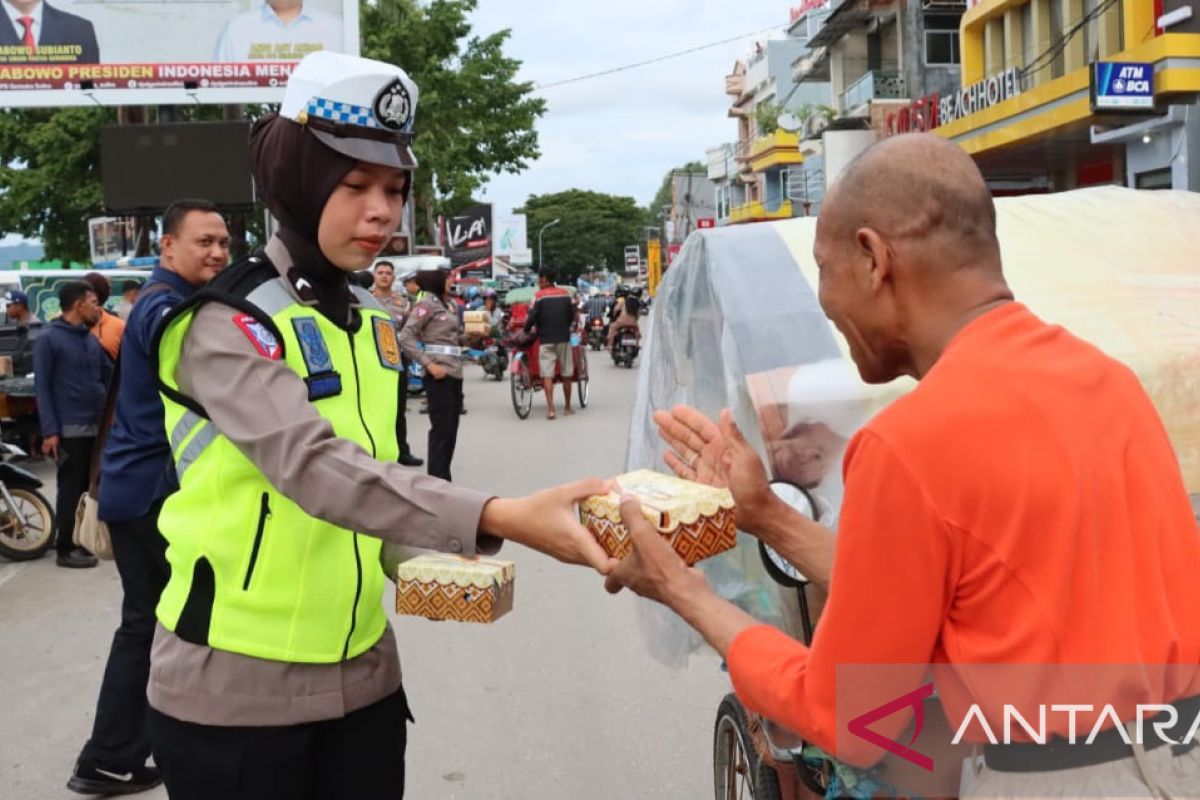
(1022, 505)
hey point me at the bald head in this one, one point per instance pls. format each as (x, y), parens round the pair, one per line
(914, 188)
(907, 251)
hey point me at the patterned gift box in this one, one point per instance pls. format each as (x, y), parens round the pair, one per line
(477, 323)
(697, 519)
(441, 586)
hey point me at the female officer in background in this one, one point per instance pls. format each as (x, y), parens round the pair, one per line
(432, 337)
(274, 672)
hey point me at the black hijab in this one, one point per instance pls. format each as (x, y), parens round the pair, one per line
(296, 174)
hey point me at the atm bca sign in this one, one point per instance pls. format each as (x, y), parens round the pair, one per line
(1120, 86)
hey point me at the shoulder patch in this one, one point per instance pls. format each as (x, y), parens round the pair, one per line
(387, 344)
(312, 345)
(263, 340)
(422, 311)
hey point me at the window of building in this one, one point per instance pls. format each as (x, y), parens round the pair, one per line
(1154, 179)
(941, 39)
(1027, 35)
(1091, 31)
(1058, 65)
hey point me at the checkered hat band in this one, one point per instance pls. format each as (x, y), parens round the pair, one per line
(345, 113)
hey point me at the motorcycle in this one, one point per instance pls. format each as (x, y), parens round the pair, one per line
(626, 346)
(27, 525)
(493, 358)
(597, 333)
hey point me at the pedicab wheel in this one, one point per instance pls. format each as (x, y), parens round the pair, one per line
(738, 773)
(582, 383)
(522, 391)
(24, 542)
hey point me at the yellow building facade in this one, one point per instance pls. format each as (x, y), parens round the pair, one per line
(1026, 112)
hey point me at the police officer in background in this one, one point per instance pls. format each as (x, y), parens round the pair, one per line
(398, 305)
(432, 337)
(274, 672)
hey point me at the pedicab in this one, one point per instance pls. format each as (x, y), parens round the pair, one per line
(737, 325)
(524, 372)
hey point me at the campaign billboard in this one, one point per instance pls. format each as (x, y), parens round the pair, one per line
(127, 52)
(510, 235)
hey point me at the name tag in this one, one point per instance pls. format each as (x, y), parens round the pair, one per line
(325, 384)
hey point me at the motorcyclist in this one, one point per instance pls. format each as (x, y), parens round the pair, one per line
(491, 304)
(625, 315)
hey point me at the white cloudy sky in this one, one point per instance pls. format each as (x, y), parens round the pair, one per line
(621, 133)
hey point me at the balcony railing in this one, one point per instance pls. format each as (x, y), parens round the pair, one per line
(760, 212)
(875, 85)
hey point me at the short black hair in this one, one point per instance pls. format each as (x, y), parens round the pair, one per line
(548, 274)
(130, 286)
(99, 285)
(387, 264)
(72, 292)
(433, 281)
(173, 216)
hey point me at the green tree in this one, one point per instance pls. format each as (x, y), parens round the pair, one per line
(654, 215)
(593, 232)
(474, 118)
(50, 176)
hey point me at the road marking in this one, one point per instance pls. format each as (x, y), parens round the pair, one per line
(12, 572)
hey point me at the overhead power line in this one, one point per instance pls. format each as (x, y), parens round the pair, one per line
(659, 59)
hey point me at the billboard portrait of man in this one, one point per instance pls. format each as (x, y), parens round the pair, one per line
(279, 30)
(33, 31)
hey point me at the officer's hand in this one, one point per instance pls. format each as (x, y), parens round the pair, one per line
(548, 521)
(436, 371)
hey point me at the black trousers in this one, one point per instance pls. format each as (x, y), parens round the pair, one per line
(359, 757)
(74, 464)
(445, 403)
(119, 739)
(402, 417)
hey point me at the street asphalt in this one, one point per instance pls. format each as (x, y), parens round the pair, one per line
(559, 699)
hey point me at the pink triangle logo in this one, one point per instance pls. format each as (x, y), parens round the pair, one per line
(915, 700)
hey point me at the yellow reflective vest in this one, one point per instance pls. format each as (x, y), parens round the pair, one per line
(251, 572)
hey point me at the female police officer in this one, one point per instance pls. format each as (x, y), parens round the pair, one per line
(274, 672)
(431, 337)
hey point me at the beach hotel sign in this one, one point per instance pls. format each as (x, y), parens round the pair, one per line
(933, 111)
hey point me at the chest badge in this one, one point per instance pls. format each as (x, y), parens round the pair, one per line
(322, 380)
(387, 344)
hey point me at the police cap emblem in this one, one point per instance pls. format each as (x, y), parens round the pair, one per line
(393, 106)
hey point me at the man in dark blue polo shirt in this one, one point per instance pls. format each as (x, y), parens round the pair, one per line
(136, 475)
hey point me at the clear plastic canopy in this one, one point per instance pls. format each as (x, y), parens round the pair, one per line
(736, 324)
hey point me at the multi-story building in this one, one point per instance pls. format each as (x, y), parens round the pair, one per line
(1060, 94)
(752, 175)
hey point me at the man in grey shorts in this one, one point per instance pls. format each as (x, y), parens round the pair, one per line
(553, 316)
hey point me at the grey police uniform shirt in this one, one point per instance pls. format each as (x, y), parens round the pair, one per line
(262, 407)
(432, 322)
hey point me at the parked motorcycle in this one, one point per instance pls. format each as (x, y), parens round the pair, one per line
(597, 333)
(27, 524)
(626, 346)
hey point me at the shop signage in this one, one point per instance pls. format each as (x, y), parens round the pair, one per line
(706, 222)
(806, 6)
(1122, 86)
(933, 111)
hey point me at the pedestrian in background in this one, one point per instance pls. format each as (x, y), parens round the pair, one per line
(434, 324)
(129, 295)
(398, 305)
(71, 374)
(110, 328)
(16, 309)
(553, 315)
(136, 475)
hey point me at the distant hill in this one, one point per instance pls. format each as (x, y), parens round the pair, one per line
(20, 252)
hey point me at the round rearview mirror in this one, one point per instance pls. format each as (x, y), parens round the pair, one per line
(779, 568)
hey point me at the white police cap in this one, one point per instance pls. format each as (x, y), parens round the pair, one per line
(359, 107)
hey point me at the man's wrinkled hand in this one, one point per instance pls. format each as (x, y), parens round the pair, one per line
(720, 456)
(50, 447)
(548, 521)
(653, 569)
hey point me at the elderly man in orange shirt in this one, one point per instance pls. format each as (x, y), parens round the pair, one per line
(1021, 509)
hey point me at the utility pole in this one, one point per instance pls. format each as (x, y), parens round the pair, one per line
(541, 253)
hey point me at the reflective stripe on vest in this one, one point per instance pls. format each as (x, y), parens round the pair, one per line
(285, 585)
